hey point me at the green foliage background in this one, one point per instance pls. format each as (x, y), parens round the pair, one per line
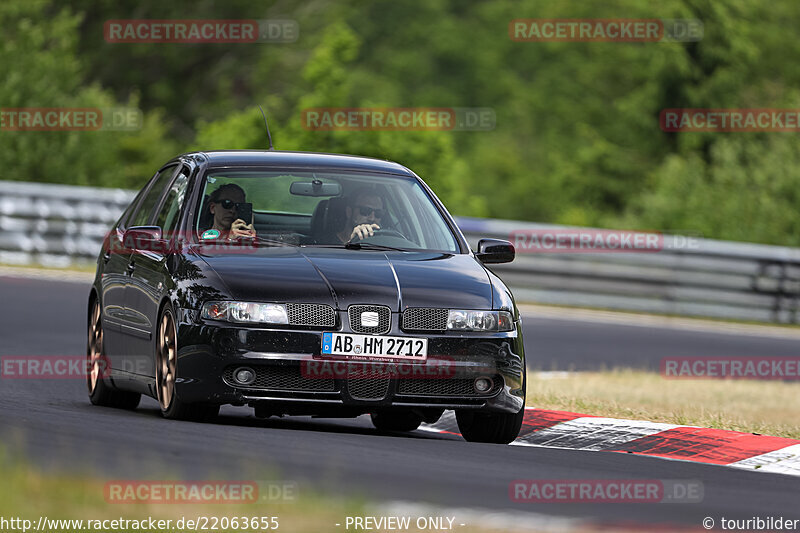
(577, 138)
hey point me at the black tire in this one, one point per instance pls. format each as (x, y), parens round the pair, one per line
(100, 392)
(166, 360)
(497, 428)
(396, 420)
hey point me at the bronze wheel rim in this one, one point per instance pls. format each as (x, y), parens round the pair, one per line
(94, 352)
(166, 361)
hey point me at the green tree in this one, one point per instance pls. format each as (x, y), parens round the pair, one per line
(38, 53)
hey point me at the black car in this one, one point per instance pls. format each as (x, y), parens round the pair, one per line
(303, 284)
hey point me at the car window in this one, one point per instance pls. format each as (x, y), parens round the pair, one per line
(323, 208)
(167, 218)
(122, 223)
(150, 199)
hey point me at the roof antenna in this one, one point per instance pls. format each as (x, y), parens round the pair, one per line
(269, 135)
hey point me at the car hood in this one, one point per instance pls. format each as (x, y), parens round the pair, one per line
(341, 277)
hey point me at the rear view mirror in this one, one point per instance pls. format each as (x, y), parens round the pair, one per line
(495, 251)
(315, 188)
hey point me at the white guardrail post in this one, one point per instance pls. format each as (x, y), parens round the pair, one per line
(64, 225)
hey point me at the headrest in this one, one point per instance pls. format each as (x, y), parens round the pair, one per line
(318, 218)
(336, 216)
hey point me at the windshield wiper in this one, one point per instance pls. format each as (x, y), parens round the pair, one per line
(372, 246)
(358, 246)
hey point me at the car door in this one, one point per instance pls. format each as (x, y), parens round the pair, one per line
(114, 278)
(134, 327)
(149, 276)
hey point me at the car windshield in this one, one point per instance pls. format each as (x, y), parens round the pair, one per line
(323, 209)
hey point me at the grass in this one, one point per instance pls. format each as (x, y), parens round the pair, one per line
(765, 407)
(28, 493)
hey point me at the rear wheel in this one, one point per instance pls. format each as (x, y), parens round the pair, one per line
(396, 420)
(497, 428)
(167, 371)
(100, 393)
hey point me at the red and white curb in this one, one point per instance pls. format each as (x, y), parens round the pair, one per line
(560, 429)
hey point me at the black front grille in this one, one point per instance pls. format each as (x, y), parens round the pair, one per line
(445, 387)
(384, 318)
(368, 389)
(425, 319)
(280, 378)
(323, 316)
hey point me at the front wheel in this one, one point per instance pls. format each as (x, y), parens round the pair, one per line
(497, 428)
(166, 374)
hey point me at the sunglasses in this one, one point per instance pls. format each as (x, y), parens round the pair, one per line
(227, 204)
(367, 211)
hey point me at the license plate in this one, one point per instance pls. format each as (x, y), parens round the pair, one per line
(374, 347)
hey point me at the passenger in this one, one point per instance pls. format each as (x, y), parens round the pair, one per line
(222, 205)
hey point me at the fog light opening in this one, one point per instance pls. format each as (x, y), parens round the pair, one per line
(244, 376)
(483, 385)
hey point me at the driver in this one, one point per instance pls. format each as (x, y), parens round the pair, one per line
(222, 206)
(364, 212)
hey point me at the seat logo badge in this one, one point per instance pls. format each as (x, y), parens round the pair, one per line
(370, 319)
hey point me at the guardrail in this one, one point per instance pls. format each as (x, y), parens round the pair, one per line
(56, 225)
(61, 226)
(712, 278)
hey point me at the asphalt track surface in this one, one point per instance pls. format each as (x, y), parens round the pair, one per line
(54, 425)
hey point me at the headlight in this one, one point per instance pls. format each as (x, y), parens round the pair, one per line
(248, 312)
(480, 320)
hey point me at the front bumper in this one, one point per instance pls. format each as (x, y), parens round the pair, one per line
(291, 371)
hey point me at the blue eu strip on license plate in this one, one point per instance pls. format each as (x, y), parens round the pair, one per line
(349, 344)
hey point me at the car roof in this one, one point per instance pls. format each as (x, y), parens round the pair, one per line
(251, 158)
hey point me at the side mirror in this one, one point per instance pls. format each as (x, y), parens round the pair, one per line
(146, 238)
(495, 251)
